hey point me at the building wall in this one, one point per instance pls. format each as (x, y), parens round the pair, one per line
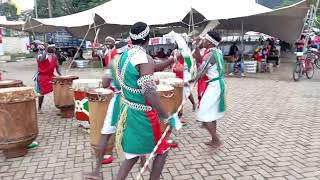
(14, 45)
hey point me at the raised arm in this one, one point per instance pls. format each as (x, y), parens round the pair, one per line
(210, 61)
(149, 88)
(163, 65)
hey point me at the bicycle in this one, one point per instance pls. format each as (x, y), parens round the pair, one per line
(315, 54)
(304, 65)
(317, 62)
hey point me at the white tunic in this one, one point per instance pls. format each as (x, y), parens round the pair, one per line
(209, 104)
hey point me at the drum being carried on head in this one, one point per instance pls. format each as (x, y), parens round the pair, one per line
(167, 100)
(98, 105)
(163, 75)
(10, 83)
(81, 87)
(177, 83)
(18, 120)
(63, 95)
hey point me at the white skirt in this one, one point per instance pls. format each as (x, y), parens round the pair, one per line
(107, 128)
(209, 104)
(186, 92)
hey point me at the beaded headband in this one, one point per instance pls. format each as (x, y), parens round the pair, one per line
(213, 41)
(141, 35)
(110, 38)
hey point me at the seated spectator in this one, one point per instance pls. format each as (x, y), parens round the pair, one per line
(233, 50)
(161, 53)
(238, 64)
(258, 56)
(169, 52)
(273, 56)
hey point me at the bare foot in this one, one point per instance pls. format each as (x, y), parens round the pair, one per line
(215, 145)
(92, 176)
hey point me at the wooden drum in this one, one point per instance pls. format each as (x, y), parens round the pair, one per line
(63, 95)
(10, 83)
(163, 75)
(18, 120)
(81, 87)
(167, 100)
(98, 105)
(177, 84)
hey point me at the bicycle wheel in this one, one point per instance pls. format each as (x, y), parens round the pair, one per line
(297, 72)
(317, 63)
(310, 71)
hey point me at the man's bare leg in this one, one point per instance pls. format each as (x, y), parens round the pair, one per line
(157, 166)
(212, 129)
(126, 167)
(40, 102)
(194, 105)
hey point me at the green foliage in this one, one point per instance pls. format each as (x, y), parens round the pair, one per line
(289, 2)
(66, 7)
(8, 10)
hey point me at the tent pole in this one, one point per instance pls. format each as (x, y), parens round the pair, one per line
(192, 24)
(74, 57)
(96, 38)
(242, 41)
(190, 20)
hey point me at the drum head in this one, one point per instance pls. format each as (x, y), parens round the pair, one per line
(163, 87)
(86, 84)
(4, 82)
(16, 89)
(164, 75)
(67, 77)
(172, 81)
(10, 82)
(100, 91)
(17, 94)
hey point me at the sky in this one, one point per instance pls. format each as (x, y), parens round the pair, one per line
(25, 4)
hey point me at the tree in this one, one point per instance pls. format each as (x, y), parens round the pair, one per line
(66, 7)
(8, 10)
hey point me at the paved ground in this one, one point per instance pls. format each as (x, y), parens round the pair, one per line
(271, 131)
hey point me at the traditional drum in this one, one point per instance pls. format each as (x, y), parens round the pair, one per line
(167, 100)
(98, 105)
(63, 95)
(81, 87)
(18, 120)
(163, 75)
(177, 84)
(10, 83)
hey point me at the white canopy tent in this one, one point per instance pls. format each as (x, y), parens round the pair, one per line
(16, 25)
(115, 16)
(284, 23)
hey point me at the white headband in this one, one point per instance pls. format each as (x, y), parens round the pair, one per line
(141, 35)
(213, 41)
(111, 38)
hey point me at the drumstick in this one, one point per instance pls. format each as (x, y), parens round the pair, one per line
(159, 142)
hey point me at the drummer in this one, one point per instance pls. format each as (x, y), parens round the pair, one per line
(47, 67)
(111, 51)
(112, 116)
(212, 105)
(182, 71)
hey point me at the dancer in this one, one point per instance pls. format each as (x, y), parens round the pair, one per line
(112, 116)
(138, 129)
(47, 66)
(212, 105)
